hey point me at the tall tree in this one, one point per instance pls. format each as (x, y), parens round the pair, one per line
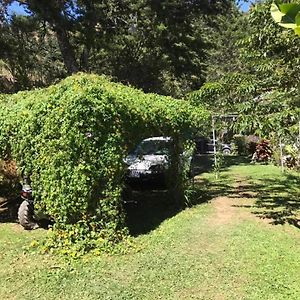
(162, 46)
(58, 14)
(159, 46)
(30, 53)
(265, 90)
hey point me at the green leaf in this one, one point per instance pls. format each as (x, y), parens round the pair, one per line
(290, 10)
(297, 30)
(286, 15)
(298, 19)
(276, 14)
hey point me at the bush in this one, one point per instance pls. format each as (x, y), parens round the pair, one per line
(263, 152)
(239, 142)
(245, 145)
(71, 139)
(9, 190)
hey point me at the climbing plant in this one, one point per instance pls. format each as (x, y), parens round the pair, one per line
(71, 139)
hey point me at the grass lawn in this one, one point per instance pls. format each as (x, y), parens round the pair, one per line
(241, 242)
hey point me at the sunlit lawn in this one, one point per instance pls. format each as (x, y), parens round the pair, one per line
(186, 256)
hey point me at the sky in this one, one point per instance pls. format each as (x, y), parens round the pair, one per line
(17, 9)
(245, 6)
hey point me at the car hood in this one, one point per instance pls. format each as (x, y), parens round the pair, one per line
(145, 162)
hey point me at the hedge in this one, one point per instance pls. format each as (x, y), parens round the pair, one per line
(71, 139)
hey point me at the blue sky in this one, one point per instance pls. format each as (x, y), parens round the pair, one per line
(16, 8)
(245, 6)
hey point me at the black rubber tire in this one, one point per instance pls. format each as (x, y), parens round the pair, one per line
(226, 151)
(127, 195)
(26, 216)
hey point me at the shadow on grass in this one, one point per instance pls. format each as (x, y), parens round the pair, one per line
(278, 199)
(204, 163)
(153, 208)
(230, 161)
(150, 210)
(208, 189)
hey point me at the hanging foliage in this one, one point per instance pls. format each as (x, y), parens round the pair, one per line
(71, 139)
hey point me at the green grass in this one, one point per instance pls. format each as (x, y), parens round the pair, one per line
(184, 256)
(278, 196)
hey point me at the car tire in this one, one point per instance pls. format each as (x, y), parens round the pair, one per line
(26, 216)
(127, 195)
(226, 151)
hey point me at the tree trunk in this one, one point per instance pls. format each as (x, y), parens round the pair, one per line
(84, 60)
(67, 52)
(175, 180)
(54, 13)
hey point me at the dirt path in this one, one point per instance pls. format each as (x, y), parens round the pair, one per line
(231, 209)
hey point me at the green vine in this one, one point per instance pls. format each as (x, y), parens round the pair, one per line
(71, 139)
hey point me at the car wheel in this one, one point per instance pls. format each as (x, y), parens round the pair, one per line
(26, 216)
(226, 151)
(127, 195)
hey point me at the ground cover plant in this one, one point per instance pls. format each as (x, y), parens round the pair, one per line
(220, 249)
(71, 139)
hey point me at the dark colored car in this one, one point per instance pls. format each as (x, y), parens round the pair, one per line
(148, 164)
(206, 146)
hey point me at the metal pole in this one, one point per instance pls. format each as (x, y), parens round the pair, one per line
(214, 140)
(298, 145)
(281, 155)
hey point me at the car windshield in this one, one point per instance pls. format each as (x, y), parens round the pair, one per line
(153, 147)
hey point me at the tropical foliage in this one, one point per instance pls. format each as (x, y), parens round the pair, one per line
(71, 137)
(287, 15)
(264, 91)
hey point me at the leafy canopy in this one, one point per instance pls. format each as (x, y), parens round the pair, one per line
(265, 91)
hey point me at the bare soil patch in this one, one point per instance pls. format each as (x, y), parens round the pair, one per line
(231, 209)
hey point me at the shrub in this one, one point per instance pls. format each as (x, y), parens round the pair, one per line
(71, 139)
(240, 144)
(245, 145)
(291, 157)
(263, 152)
